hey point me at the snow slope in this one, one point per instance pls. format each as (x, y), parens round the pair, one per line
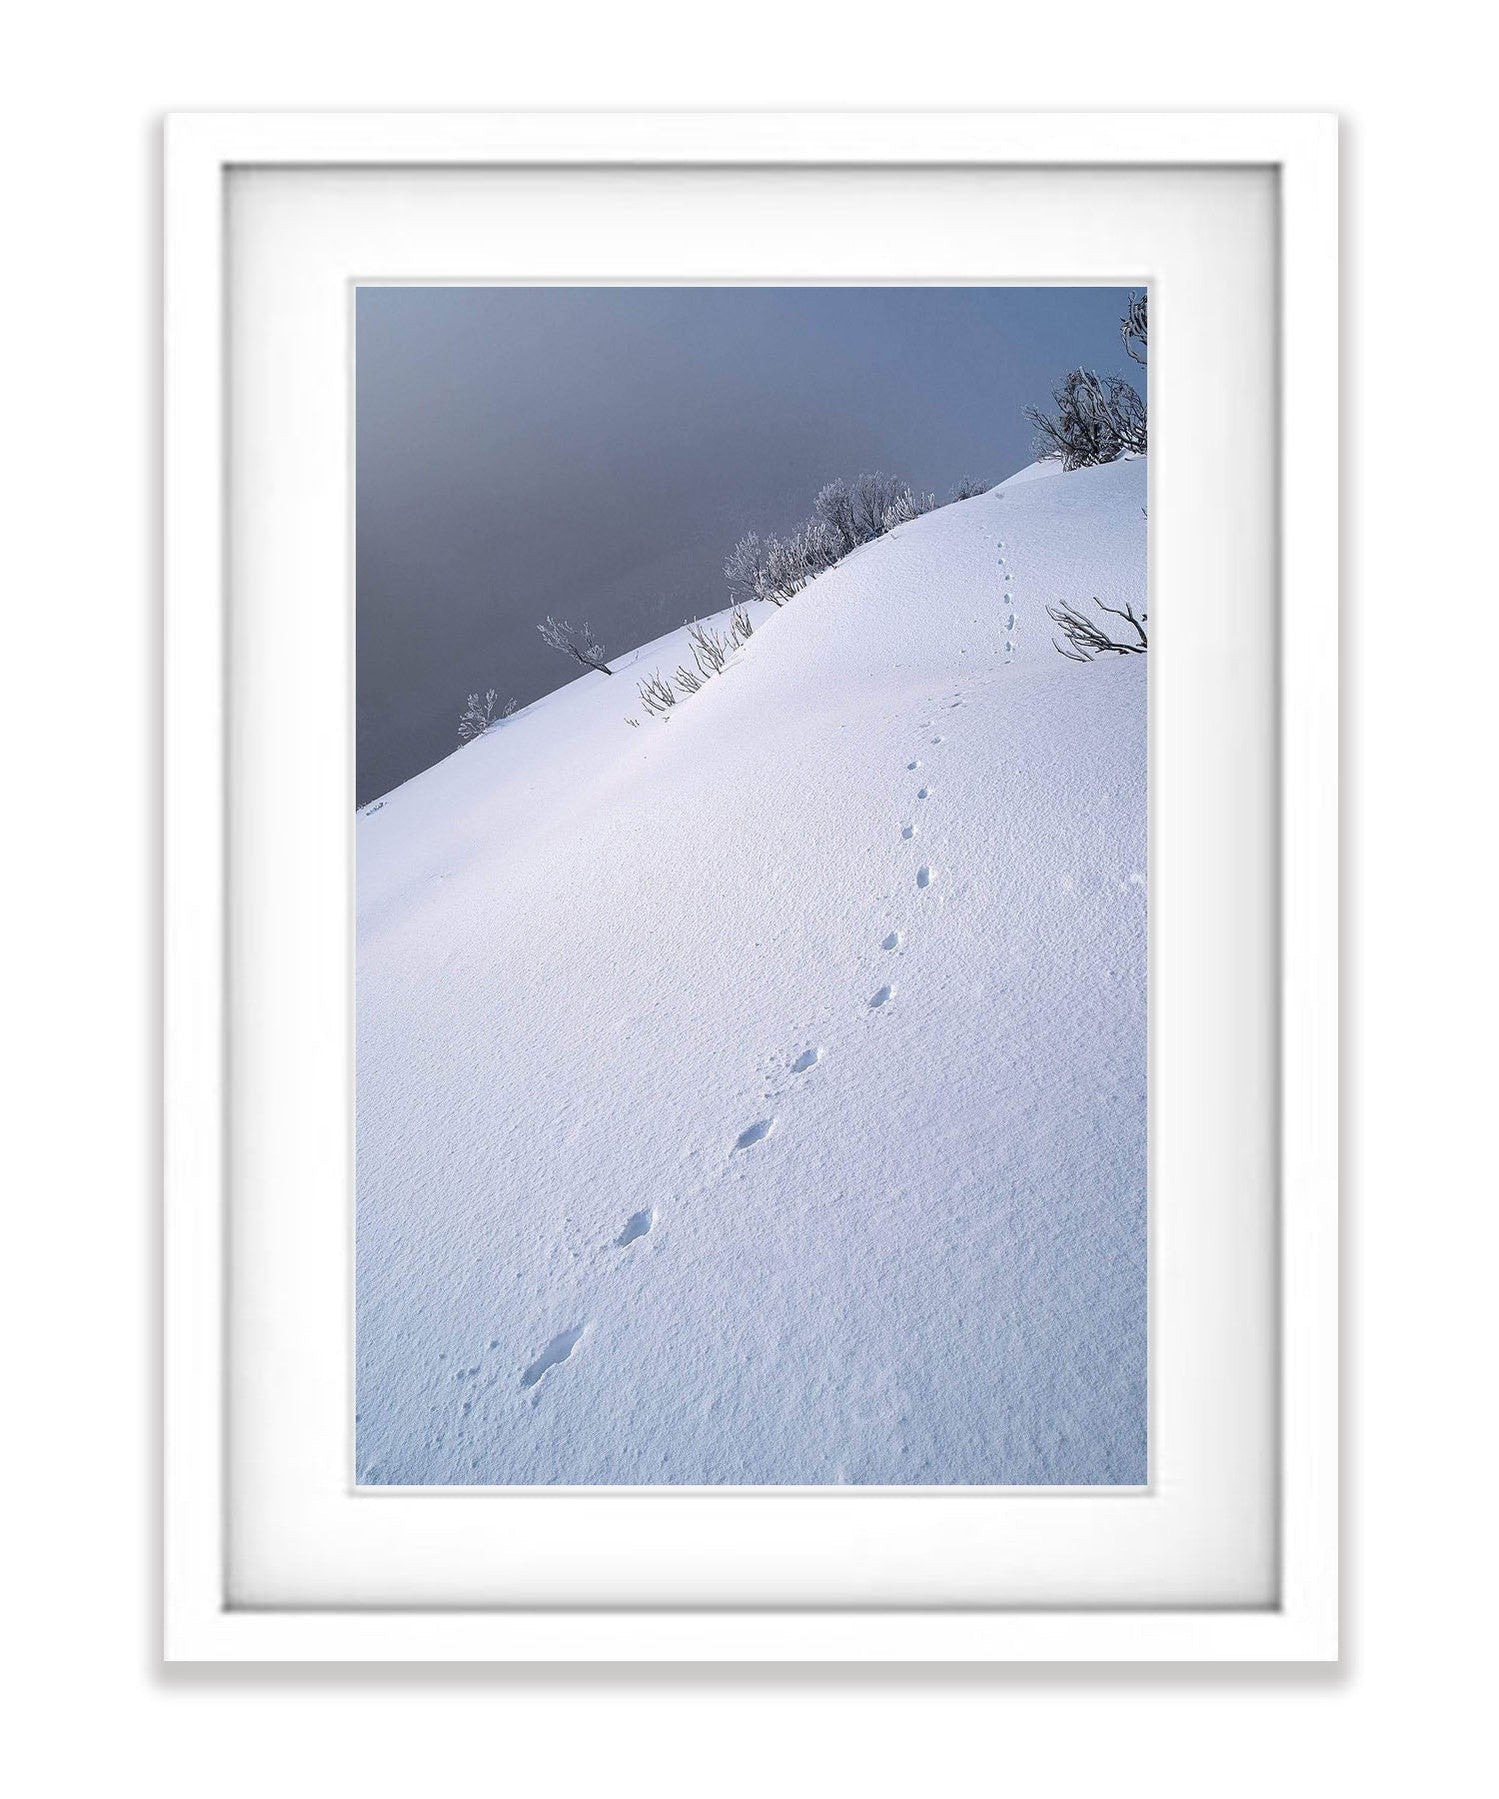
(760, 1097)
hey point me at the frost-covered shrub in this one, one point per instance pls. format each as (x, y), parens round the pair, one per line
(748, 569)
(1098, 419)
(1089, 637)
(656, 695)
(479, 714)
(966, 488)
(811, 550)
(819, 545)
(785, 574)
(907, 505)
(576, 641)
(854, 513)
(709, 650)
(834, 508)
(873, 496)
(845, 515)
(791, 562)
(775, 568)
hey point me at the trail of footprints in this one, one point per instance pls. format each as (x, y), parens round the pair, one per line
(892, 942)
(1008, 599)
(895, 940)
(562, 1346)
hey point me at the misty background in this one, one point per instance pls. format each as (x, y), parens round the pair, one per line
(595, 453)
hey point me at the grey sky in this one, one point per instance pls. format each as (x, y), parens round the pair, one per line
(595, 452)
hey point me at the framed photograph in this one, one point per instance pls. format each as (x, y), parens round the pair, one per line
(751, 887)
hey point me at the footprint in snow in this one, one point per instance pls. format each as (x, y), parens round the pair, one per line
(908, 832)
(936, 740)
(882, 998)
(558, 1350)
(893, 941)
(915, 764)
(809, 1058)
(923, 876)
(923, 793)
(754, 1133)
(637, 1225)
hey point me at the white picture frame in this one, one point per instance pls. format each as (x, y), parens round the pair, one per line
(201, 1621)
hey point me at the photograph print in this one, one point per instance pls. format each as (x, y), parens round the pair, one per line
(751, 886)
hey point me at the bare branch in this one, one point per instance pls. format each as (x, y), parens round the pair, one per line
(1088, 638)
(1132, 327)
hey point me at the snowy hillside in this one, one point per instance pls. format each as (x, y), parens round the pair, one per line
(760, 1096)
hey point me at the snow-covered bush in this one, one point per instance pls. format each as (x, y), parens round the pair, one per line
(479, 714)
(576, 641)
(810, 550)
(906, 505)
(775, 568)
(748, 569)
(709, 650)
(786, 569)
(1098, 419)
(845, 515)
(819, 546)
(1087, 637)
(782, 576)
(834, 507)
(966, 488)
(656, 695)
(873, 496)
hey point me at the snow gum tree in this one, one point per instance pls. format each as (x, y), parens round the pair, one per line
(1097, 419)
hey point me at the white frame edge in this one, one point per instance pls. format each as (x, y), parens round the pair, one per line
(201, 148)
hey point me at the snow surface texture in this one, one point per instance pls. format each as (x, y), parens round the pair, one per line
(759, 1096)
